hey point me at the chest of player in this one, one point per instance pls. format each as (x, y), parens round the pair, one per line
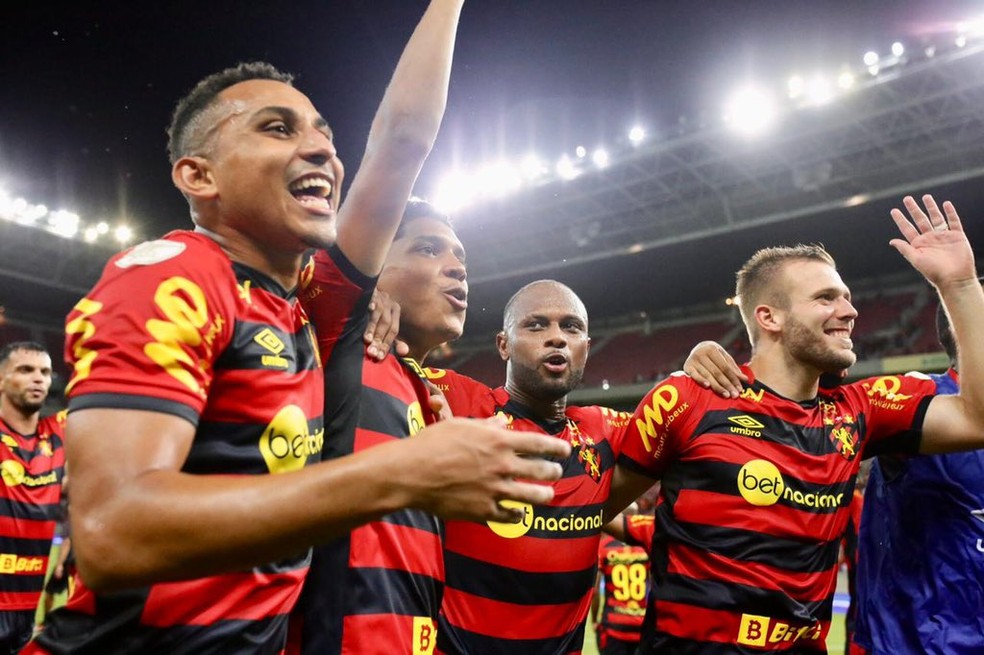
(31, 467)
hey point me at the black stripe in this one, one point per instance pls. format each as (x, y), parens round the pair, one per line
(810, 440)
(232, 448)
(415, 518)
(284, 353)
(457, 641)
(510, 585)
(27, 511)
(129, 401)
(24, 547)
(383, 413)
(907, 442)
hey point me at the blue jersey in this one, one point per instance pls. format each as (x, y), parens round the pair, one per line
(920, 572)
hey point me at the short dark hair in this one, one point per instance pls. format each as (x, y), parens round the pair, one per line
(420, 208)
(11, 348)
(180, 133)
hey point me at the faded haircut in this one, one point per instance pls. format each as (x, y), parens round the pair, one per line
(755, 279)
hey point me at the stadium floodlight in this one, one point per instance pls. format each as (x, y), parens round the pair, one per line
(581, 152)
(123, 234)
(637, 135)
(960, 41)
(750, 111)
(497, 180)
(873, 70)
(819, 91)
(63, 223)
(90, 234)
(566, 168)
(796, 85)
(845, 81)
(898, 49)
(600, 158)
(102, 227)
(930, 52)
(532, 167)
(870, 58)
(454, 191)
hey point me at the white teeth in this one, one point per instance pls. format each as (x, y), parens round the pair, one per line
(312, 183)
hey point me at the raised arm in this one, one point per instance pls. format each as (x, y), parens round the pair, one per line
(401, 137)
(935, 244)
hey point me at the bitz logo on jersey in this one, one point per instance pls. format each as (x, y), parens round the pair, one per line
(762, 631)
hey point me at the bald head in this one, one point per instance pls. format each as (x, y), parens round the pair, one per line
(539, 294)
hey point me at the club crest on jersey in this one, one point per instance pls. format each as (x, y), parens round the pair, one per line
(840, 430)
(587, 454)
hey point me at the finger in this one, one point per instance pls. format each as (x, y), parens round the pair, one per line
(936, 218)
(502, 514)
(528, 492)
(905, 227)
(531, 443)
(904, 248)
(697, 372)
(952, 217)
(370, 332)
(918, 216)
(708, 380)
(402, 348)
(726, 370)
(536, 469)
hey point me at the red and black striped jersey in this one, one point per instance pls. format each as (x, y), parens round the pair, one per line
(32, 467)
(756, 494)
(639, 529)
(527, 587)
(175, 326)
(625, 571)
(377, 590)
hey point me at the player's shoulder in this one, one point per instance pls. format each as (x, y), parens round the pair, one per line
(181, 251)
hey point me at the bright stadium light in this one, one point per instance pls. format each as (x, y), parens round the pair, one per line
(123, 234)
(898, 49)
(960, 41)
(870, 58)
(600, 158)
(90, 234)
(796, 86)
(637, 135)
(819, 91)
(566, 168)
(102, 227)
(532, 167)
(581, 152)
(454, 191)
(845, 81)
(497, 180)
(750, 111)
(64, 223)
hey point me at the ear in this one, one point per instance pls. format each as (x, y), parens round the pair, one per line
(769, 319)
(502, 344)
(193, 177)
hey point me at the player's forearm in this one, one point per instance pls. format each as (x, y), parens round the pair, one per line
(413, 106)
(167, 525)
(964, 303)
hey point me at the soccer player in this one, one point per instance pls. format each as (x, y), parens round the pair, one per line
(196, 402)
(527, 586)
(920, 573)
(756, 490)
(623, 574)
(32, 463)
(378, 589)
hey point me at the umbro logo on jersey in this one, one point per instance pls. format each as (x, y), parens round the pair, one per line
(747, 426)
(978, 514)
(272, 343)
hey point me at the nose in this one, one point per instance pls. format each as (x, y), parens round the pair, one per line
(555, 336)
(317, 147)
(455, 268)
(848, 311)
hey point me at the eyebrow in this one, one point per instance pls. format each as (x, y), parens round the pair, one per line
(444, 242)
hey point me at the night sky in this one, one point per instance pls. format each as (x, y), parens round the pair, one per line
(87, 90)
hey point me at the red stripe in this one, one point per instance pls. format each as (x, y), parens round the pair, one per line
(712, 508)
(26, 529)
(243, 596)
(704, 565)
(388, 546)
(476, 540)
(508, 621)
(366, 439)
(19, 600)
(385, 634)
(700, 624)
(47, 494)
(239, 402)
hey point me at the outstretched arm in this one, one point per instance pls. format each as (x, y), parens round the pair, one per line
(400, 139)
(934, 242)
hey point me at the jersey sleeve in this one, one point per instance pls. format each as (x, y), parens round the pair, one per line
(335, 296)
(896, 408)
(148, 333)
(657, 429)
(465, 396)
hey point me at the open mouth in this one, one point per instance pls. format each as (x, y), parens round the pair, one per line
(556, 363)
(313, 192)
(458, 298)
